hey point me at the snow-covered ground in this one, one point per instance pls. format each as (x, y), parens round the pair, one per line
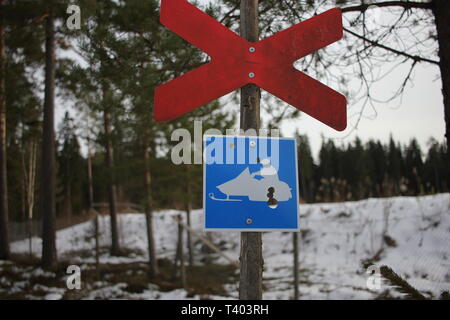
(411, 235)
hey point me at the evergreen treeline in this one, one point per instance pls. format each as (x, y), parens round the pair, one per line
(342, 173)
(373, 169)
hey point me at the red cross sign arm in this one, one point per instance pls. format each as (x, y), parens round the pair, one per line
(236, 62)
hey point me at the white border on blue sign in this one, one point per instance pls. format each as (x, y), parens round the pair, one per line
(250, 229)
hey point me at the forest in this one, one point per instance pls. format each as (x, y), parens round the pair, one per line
(341, 173)
(77, 81)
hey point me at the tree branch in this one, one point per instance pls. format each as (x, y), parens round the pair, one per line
(375, 43)
(397, 52)
(403, 4)
(229, 13)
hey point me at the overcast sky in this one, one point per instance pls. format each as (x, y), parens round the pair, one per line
(420, 114)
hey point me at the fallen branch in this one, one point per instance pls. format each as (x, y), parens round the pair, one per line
(207, 242)
(400, 284)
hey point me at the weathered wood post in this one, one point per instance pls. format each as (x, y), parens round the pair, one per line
(188, 214)
(295, 271)
(251, 260)
(181, 252)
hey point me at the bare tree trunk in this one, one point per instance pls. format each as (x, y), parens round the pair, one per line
(30, 237)
(181, 253)
(251, 260)
(188, 215)
(91, 207)
(4, 239)
(295, 248)
(189, 236)
(29, 173)
(441, 10)
(47, 199)
(112, 197)
(153, 263)
(23, 197)
(177, 254)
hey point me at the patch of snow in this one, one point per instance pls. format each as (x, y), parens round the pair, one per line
(335, 239)
(53, 296)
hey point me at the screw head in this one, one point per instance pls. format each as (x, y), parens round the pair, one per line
(251, 75)
(252, 49)
(249, 221)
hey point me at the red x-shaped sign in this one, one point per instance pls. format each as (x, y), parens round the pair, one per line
(236, 62)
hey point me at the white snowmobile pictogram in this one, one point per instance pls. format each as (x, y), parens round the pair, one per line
(269, 189)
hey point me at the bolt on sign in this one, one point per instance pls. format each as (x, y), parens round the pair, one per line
(236, 62)
(250, 183)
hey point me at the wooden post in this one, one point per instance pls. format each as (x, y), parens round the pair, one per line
(181, 253)
(295, 271)
(188, 215)
(207, 242)
(177, 252)
(251, 261)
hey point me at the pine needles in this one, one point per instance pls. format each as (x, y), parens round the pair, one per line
(400, 284)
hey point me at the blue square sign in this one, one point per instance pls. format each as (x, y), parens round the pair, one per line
(250, 183)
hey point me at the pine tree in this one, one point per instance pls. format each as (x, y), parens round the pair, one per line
(47, 187)
(435, 168)
(4, 240)
(414, 167)
(96, 87)
(25, 40)
(394, 165)
(71, 165)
